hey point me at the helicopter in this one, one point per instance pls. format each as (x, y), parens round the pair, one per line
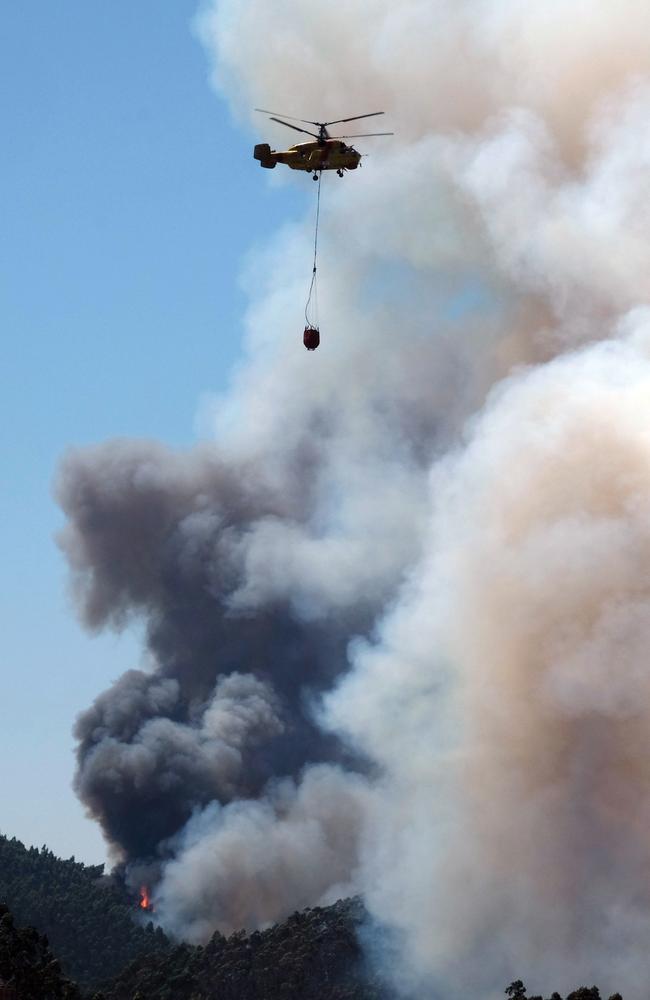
(326, 153)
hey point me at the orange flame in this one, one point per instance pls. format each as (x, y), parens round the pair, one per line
(145, 899)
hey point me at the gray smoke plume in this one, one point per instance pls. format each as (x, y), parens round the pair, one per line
(187, 544)
(147, 759)
(241, 864)
(397, 612)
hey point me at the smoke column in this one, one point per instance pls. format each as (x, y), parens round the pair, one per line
(397, 613)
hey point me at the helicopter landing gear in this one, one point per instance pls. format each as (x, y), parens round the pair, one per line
(340, 173)
(315, 177)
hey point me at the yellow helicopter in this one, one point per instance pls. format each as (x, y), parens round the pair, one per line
(326, 153)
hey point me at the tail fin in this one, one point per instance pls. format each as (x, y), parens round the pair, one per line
(263, 154)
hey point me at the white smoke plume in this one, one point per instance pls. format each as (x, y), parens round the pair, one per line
(241, 864)
(442, 518)
(508, 695)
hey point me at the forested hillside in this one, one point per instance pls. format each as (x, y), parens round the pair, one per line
(92, 938)
(314, 955)
(88, 918)
(27, 964)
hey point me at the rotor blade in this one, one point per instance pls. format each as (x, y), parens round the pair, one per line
(293, 117)
(295, 127)
(360, 135)
(353, 119)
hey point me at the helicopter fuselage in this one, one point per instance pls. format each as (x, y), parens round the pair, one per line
(328, 154)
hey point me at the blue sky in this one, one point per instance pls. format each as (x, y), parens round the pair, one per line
(128, 201)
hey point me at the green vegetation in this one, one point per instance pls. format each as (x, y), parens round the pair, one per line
(517, 991)
(314, 955)
(88, 917)
(91, 926)
(27, 964)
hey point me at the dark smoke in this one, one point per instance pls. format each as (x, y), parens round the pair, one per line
(227, 705)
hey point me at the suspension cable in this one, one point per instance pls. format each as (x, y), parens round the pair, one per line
(313, 291)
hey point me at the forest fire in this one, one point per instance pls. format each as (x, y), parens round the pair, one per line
(145, 899)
